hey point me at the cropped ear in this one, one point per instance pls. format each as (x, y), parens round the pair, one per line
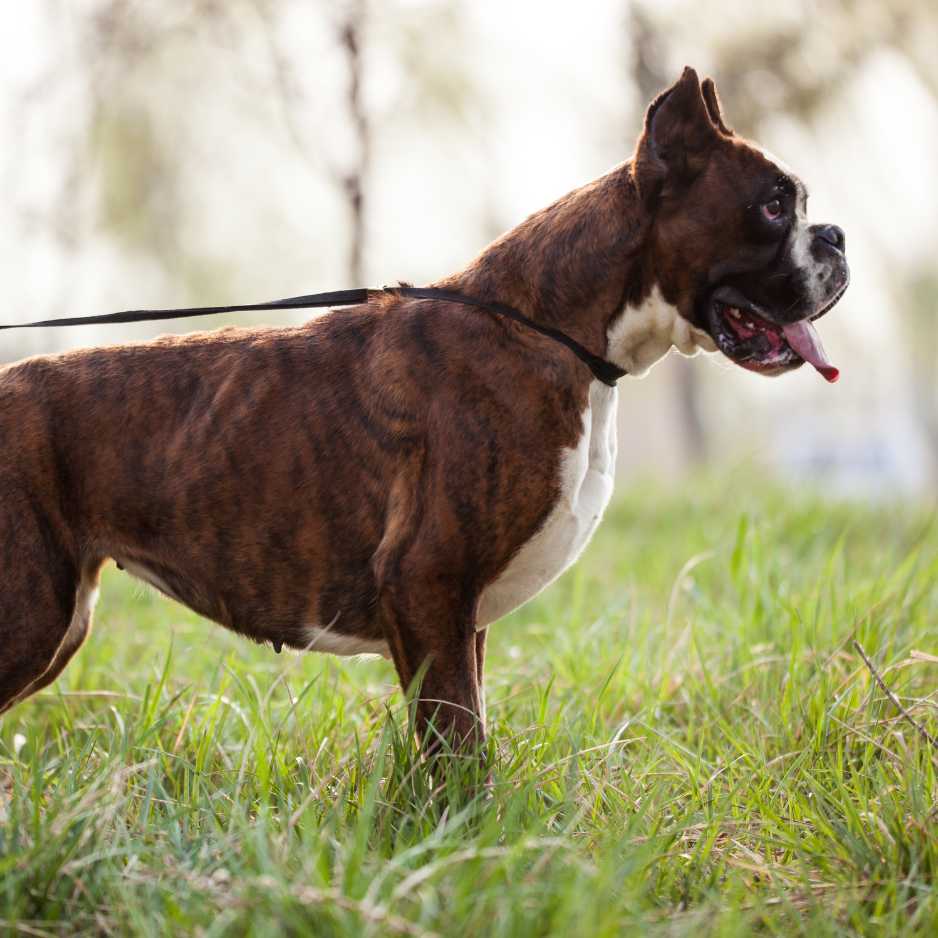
(709, 91)
(678, 136)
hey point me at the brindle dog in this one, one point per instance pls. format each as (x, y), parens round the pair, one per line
(395, 477)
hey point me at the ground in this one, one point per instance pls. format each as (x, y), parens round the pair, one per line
(686, 741)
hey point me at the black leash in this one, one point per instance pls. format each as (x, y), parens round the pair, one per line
(602, 369)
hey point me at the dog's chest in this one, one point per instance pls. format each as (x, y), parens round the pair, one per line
(586, 473)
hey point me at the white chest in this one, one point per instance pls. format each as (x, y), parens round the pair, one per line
(642, 335)
(586, 474)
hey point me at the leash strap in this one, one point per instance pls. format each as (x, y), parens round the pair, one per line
(602, 369)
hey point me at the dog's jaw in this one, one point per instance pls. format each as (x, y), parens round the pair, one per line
(643, 334)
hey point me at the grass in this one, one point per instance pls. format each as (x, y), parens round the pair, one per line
(687, 743)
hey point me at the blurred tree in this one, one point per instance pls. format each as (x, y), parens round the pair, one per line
(127, 181)
(144, 70)
(791, 58)
(650, 75)
(435, 89)
(355, 179)
(142, 66)
(917, 294)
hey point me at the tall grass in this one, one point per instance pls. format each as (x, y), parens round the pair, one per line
(685, 741)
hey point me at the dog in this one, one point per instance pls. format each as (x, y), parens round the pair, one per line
(396, 477)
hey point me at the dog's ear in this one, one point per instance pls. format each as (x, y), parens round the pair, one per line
(677, 139)
(709, 91)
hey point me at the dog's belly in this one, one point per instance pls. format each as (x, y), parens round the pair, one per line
(587, 473)
(328, 639)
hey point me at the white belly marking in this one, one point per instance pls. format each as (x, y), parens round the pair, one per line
(586, 475)
(319, 639)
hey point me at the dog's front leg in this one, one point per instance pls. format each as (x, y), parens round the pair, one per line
(430, 628)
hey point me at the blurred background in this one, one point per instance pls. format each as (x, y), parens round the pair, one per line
(214, 152)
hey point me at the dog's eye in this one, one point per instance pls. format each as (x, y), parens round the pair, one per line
(773, 210)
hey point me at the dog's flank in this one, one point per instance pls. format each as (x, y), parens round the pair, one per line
(405, 471)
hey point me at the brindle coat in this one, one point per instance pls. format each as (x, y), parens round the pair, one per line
(369, 472)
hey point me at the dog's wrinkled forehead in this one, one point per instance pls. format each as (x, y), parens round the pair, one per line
(780, 175)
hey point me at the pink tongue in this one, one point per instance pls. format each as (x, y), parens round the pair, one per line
(803, 338)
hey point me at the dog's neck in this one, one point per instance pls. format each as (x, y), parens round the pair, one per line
(582, 265)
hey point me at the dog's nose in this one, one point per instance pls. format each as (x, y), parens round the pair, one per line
(832, 234)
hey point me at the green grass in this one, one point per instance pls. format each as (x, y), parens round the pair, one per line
(687, 742)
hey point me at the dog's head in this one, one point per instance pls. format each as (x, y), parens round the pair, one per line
(731, 244)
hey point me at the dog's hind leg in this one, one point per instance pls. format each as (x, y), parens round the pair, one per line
(39, 583)
(78, 630)
(481, 635)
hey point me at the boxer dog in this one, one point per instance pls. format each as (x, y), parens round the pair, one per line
(396, 477)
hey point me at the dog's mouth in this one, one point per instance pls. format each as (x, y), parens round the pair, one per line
(744, 333)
